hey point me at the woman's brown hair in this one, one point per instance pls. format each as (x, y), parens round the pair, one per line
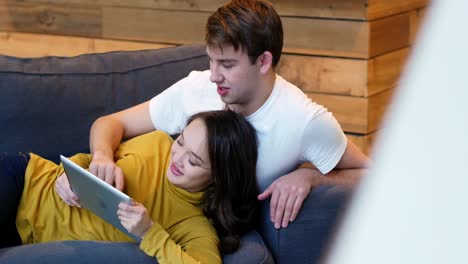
(231, 201)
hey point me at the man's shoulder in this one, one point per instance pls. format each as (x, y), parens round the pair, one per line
(294, 99)
(199, 76)
(194, 87)
(289, 91)
(196, 81)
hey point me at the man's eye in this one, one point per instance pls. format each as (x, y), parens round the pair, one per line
(228, 66)
(191, 163)
(178, 142)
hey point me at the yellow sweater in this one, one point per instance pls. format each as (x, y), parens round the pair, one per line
(180, 234)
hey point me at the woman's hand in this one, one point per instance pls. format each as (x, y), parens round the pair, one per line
(62, 187)
(135, 218)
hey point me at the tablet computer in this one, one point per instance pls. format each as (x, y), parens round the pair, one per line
(96, 195)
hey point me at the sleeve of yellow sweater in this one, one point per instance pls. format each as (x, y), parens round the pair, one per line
(197, 249)
(82, 159)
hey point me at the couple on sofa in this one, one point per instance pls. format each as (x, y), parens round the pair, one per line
(244, 44)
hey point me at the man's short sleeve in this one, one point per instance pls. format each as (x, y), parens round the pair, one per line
(324, 142)
(166, 109)
(195, 93)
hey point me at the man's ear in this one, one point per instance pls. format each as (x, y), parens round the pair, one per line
(265, 62)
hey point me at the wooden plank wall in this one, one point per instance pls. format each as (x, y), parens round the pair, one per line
(345, 54)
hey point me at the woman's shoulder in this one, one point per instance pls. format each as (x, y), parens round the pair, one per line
(198, 226)
(149, 142)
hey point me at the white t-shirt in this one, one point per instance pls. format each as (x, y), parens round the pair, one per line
(291, 129)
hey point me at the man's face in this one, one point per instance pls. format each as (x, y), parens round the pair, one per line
(234, 75)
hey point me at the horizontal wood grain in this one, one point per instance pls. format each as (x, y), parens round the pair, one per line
(51, 19)
(417, 20)
(164, 26)
(364, 142)
(303, 35)
(27, 45)
(344, 76)
(337, 9)
(361, 115)
(340, 38)
(383, 8)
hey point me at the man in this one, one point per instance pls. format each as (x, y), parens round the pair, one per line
(244, 43)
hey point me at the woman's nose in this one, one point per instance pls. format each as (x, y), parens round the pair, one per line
(177, 157)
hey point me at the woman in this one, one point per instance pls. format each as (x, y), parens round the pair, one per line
(181, 191)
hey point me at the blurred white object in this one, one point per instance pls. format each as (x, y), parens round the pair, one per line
(413, 205)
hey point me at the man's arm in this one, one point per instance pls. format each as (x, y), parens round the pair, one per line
(352, 165)
(289, 191)
(106, 134)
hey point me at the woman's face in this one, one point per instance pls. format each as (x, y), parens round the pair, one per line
(190, 166)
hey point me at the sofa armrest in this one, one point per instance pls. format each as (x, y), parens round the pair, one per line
(306, 239)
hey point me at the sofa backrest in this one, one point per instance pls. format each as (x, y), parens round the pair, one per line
(47, 105)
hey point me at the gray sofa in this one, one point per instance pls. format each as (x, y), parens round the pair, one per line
(47, 106)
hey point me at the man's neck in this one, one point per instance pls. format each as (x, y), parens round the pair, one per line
(264, 92)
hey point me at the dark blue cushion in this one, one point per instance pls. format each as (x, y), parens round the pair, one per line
(306, 239)
(252, 251)
(47, 105)
(75, 252)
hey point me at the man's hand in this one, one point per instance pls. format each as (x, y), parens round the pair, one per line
(135, 218)
(289, 191)
(287, 195)
(62, 187)
(107, 170)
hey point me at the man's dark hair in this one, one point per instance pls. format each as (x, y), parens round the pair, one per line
(231, 201)
(252, 25)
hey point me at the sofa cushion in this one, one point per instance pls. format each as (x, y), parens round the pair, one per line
(47, 105)
(251, 251)
(306, 239)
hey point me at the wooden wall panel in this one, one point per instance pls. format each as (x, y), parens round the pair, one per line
(325, 74)
(383, 72)
(164, 26)
(364, 142)
(302, 35)
(417, 18)
(349, 9)
(50, 19)
(390, 32)
(339, 9)
(186, 5)
(383, 8)
(342, 38)
(356, 114)
(342, 75)
(28, 45)
(314, 36)
(346, 9)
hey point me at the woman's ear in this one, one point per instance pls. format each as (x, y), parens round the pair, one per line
(265, 62)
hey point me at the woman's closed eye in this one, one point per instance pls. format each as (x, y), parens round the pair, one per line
(179, 142)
